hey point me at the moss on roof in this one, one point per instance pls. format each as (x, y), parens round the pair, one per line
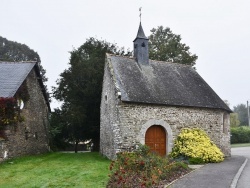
(162, 83)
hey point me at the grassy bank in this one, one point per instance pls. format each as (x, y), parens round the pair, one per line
(240, 145)
(56, 170)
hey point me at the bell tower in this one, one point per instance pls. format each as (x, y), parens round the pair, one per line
(141, 47)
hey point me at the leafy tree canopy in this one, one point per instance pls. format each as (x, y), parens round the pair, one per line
(241, 110)
(13, 51)
(166, 46)
(80, 87)
(234, 120)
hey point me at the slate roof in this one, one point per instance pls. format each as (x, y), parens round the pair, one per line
(162, 83)
(13, 74)
(140, 33)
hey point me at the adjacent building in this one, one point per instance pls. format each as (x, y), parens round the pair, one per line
(22, 81)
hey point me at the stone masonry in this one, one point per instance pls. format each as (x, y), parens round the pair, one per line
(31, 135)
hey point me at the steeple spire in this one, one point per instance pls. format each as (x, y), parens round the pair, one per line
(141, 47)
(140, 33)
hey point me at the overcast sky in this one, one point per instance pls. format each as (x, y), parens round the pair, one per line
(217, 31)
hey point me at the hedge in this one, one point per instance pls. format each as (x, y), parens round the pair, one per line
(240, 134)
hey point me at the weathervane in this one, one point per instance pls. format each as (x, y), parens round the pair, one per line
(140, 13)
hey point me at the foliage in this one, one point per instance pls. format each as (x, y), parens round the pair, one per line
(13, 51)
(166, 46)
(9, 110)
(195, 143)
(143, 169)
(195, 160)
(9, 114)
(227, 103)
(58, 130)
(234, 120)
(241, 110)
(240, 134)
(56, 170)
(80, 87)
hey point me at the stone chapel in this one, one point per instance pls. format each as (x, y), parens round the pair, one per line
(148, 102)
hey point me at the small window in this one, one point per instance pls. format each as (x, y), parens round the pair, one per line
(26, 135)
(36, 135)
(20, 103)
(106, 97)
(143, 44)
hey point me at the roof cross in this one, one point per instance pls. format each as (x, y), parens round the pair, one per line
(140, 13)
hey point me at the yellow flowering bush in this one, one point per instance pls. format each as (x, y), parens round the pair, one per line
(196, 144)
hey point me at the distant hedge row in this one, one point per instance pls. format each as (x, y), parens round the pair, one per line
(240, 134)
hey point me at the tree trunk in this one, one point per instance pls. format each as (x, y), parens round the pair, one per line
(96, 143)
(76, 144)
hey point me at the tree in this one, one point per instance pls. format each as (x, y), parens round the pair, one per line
(166, 46)
(13, 51)
(227, 103)
(241, 110)
(234, 120)
(57, 131)
(80, 87)
(66, 127)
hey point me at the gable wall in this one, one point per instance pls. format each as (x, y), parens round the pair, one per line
(21, 137)
(109, 121)
(132, 118)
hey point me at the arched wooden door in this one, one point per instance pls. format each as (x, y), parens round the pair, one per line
(156, 139)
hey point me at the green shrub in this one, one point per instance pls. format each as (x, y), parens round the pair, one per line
(195, 145)
(142, 169)
(192, 160)
(240, 134)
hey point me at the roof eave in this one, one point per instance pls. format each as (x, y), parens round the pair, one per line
(37, 70)
(177, 105)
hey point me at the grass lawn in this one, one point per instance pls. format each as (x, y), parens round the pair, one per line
(240, 145)
(56, 170)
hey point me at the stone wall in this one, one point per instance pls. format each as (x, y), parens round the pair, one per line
(129, 124)
(110, 139)
(30, 136)
(134, 116)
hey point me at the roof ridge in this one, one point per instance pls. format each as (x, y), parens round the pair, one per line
(180, 64)
(17, 62)
(128, 57)
(131, 57)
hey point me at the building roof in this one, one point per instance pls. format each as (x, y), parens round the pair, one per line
(162, 83)
(13, 74)
(140, 33)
